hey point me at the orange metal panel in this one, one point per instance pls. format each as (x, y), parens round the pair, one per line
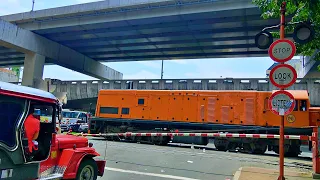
(235, 107)
(249, 111)
(190, 110)
(175, 111)
(211, 110)
(225, 114)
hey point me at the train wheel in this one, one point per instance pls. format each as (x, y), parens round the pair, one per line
(260, 150)
(246, 148)
(105, 131)
(131, 138)
(160, 140)
(286, 149)
(221, 144)
(293, 151)
(112, 129)
(259, 147)
(232, 146)
(137, 139)
(148, 140)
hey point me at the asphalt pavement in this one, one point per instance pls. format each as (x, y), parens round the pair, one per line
(150, 162)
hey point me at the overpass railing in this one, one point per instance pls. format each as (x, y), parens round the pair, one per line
(89, 89)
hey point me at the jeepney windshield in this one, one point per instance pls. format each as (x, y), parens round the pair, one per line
(70, 114)
(11, 109)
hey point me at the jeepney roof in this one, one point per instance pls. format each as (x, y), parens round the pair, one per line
(26, 92)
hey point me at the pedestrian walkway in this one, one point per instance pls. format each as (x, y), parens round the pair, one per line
(250, 173)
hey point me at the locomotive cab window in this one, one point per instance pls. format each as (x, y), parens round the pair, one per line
(125, 111)
(140, 101)
(295, 105)
(303, 105)
(109, 110)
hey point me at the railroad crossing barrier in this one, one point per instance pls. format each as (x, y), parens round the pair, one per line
(225, 135)
(315, 153)
(314, 138)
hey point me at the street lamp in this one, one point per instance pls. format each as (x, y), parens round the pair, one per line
(263, 39)
(303, 33)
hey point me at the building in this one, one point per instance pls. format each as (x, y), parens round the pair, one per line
(8, 75)
(300, 64)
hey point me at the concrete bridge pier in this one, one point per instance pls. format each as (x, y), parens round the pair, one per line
(33, 70)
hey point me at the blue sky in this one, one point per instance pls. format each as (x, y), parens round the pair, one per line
(200, 68)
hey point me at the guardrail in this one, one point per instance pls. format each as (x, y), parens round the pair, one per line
(89, 89)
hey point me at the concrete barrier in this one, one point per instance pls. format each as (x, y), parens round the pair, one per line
(89, 89)
(77, 90)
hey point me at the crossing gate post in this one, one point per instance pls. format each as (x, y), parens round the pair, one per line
(315, 153)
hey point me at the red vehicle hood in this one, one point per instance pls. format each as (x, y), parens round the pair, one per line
(68, 141)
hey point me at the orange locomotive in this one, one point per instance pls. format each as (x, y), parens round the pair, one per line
(199, 111)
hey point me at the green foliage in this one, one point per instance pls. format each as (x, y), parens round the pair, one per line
(300, 10)
(17, 70)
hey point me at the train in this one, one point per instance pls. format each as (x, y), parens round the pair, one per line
(204, 111)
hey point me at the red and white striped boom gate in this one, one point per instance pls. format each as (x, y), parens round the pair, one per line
(314, 138)
(223, 135)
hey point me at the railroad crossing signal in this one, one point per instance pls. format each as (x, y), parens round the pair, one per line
(283, 76)
(282, 50)
(281, 103)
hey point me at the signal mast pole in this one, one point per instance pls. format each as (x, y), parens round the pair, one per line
(281, 141)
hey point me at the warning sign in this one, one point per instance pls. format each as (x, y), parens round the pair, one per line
(282, 50)
(281, 103)
(283, 76)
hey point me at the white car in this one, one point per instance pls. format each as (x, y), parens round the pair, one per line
(71, 118)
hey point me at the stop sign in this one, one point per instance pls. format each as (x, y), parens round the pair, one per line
(282, 50)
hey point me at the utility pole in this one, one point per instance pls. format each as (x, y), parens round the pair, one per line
(33, 1)
(162, 69)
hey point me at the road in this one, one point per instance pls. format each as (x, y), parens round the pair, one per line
(150, 162)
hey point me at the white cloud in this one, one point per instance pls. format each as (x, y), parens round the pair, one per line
(153, 64)
(142, 75)
(13, 6)
(222, 74)
(179, 61)
(233, 68)
(86, 1)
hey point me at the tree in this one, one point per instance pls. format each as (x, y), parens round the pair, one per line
(300, 11)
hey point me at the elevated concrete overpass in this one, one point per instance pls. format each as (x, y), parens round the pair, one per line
(79, 37)
(81, 93)
(38, 50)
(115, 30)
